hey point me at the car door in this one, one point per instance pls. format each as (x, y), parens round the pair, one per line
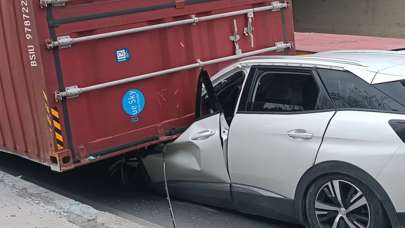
(196, 163)
(276, 133)
(197, 155)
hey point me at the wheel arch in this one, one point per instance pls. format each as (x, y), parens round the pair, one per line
(343, 168)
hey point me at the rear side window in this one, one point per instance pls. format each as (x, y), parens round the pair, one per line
(396, 90)
(351, 92)
(286, 92)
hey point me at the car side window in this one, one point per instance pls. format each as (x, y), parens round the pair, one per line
(227, 92)
(288, 92)
(348, 91)
(396, 90)
(207, 103)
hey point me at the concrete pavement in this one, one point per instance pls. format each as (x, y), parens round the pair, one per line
(94, 186)
(26, 205)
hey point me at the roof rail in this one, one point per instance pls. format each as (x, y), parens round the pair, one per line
(314, 58)
(388, 52)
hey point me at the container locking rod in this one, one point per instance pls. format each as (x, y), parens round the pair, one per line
(67, 41)
(75, 91)
(46, 3)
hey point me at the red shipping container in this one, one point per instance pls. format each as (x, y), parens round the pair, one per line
(86, 80)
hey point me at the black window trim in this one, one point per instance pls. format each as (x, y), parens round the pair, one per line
(368, 110)
(229, 74)
(200, 83)
(253, 77)
(204, 79)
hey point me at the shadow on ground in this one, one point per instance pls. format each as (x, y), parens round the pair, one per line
(94, 185)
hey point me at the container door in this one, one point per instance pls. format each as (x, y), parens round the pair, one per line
(109, 119)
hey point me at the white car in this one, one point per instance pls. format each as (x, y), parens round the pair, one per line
(315, 140)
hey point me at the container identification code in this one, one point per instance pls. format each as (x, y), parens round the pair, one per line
(133, 103)
(27, 22)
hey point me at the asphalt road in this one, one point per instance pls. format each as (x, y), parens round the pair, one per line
(95, 186)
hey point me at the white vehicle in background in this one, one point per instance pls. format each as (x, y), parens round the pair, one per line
(315, 140)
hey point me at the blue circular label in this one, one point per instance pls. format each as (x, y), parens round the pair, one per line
(133, 102)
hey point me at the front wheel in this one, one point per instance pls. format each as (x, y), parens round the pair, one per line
(338, 201)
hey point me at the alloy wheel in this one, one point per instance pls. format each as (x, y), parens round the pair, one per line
(340, 204)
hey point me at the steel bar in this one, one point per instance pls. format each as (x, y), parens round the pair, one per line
(67, 41)
(75, 91)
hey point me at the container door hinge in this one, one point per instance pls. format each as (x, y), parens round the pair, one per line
(54, 3)
(70, 92)
(61, 42)
(277, 5)
(250, 29)
(235, 38)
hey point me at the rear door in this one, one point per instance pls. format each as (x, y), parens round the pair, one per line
(277, 131)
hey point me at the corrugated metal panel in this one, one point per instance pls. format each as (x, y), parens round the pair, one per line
(76, 131)
(20, 117)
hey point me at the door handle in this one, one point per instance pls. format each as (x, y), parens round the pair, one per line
(203, 135)
(300, 134)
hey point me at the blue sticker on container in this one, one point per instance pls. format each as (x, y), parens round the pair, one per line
(133, 103)
(123, 55)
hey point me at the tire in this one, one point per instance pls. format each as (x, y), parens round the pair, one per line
(360, 206)
(130, 173)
